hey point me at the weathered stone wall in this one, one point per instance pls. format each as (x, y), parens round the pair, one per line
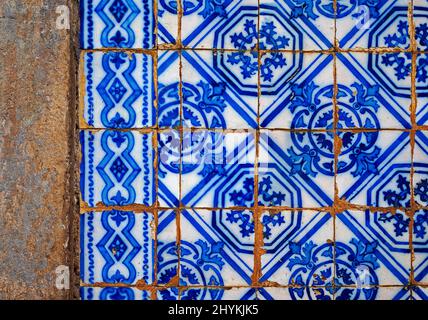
(37, 144)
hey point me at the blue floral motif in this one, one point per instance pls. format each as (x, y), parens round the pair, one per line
(401, 62)
(307, 8)
(200, 265)
(312, 265)
(206, 8)
(112, 90)
(198, 103)
(245, 198)
(117, 294)
(400, 198)
(203, 106)
(124, 37)
(248, 58)
(313, 152)
(123, 167)
(118, 247)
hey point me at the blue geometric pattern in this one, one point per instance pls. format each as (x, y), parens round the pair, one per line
(117, 24)
(246, 149)
(117, 168)
(119, 90)
(114, 246)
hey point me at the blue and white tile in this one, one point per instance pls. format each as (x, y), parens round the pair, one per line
(373, 24)
(422, 88)
(224, 24)
(113, 293)
(169, 101)
(219, 294)
(169, 168)
(117, 24)
(369, 253)
(296, 169)
(117, 168)
(167, 254)
(296, 25)
(116, 247)
(219, 89)
(218, 169)
(374, 168)
(420, 166)
(299, 252)
(211, 253)
(373, 91)
(420, 246)
(168, 20)
(420, 293)
(119, 90)
(297, 92)
(382, 293)
(420, 219)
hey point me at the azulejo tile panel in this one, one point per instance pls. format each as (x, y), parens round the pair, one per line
(239, 150)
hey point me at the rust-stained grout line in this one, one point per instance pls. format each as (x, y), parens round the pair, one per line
(196, 49)
(180, 190)
(264, 285)
(155, 226)
(141, 208)
(337, 143)
(258, 228)
(413, 104)
(253, 131)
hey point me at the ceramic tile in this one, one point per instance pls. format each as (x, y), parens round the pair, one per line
(420, 218)
(167, 254)
(113, 293)
(373, 24)
(218, 91)
(420, 251)
(420, 293)
(420, 167)
(379, 255)
(218, 169)
(374, 92)
(382, 293)
(220, 24)
(169, 168)
(374, 168)
(299, 91)
(223, 256)
(117, 24)
(167, 22)
(119, 90)
(116, 247)
(219, 294)
(210, 253)
(279, 146)
(296, 169)
(117, 168)
(302, 25)
(169, 97)
(421, 87)
(299, 251)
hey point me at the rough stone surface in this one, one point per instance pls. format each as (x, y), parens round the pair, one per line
(36, 147)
